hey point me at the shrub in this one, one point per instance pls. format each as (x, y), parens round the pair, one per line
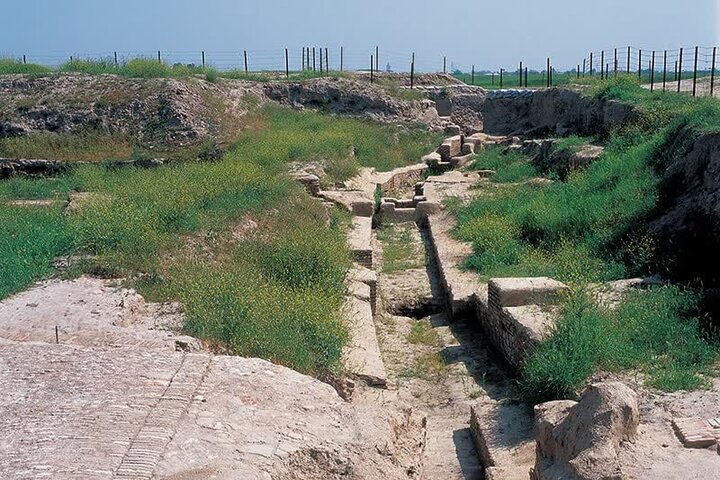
(655, 331)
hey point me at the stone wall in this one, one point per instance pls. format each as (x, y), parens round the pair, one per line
(404, 178)
(550, 112)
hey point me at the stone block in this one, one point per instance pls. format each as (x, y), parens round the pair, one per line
(433, 158)
(694, 432)
(516, 292)
(460, 161)
(362, 355)
(309, 181)
(355, 201)
(503, 437)
(425, 209)
(359, 241)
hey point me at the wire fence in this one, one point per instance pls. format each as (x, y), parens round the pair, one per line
(687, 69)
(276, 60)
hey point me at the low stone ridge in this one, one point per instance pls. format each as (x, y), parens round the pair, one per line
(360, 241)
(392, 212)
(459, 285)
(402, 178)
(367, 276)
(10, 167)
(354, 201)
(309, 181)
(362, 355)
(581, 440)
(516, 292)
(514, 331)
(503, 437)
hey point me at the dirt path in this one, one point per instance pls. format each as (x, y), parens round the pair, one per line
(434, 365)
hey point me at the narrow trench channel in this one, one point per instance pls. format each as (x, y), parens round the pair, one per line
(465, 371)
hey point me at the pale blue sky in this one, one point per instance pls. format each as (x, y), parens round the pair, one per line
(489, 34)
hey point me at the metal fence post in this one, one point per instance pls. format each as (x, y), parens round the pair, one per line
(548, 72)
(372, 65)
(679, 69)
(629, 54)
(302, 63)
(116, 60)
(501, 78)
(377, 58)
(287, 64)
(695, 71)
(327, 59)
(246, 60)
(652, 72)
(444, 64)
(591, 64)
(341, 58)
(664, 69)
(520, 74)
(526, 76)
(472, 77)
(412, 73)
(602, 65)
(712, 72)
(313, 58)
(583, 67)
(640, 64)
(616, 60)
(159, 57)
(203, 59)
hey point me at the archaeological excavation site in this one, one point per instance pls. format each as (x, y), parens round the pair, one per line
(359, 276)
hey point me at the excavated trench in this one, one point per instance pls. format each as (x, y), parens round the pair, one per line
(438, 363)
(468, 374)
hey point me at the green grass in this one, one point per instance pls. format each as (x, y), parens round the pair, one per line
(655, 332)
(430, 367)
(512, 79)
(274, 292)
(11, 66)
(509, 167)
(137, 68)
(31, 238)
(90, 146)
(423, 333)
(401, 250)
(342, 145)
(152, 68)
(591, 227)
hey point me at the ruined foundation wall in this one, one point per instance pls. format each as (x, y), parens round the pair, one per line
(550, 112)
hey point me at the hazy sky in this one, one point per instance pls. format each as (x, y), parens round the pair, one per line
(489, 34)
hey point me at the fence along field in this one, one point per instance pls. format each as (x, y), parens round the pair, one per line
(686, 69)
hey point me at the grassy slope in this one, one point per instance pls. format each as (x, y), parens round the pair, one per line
(275, 293)
(591, 228)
